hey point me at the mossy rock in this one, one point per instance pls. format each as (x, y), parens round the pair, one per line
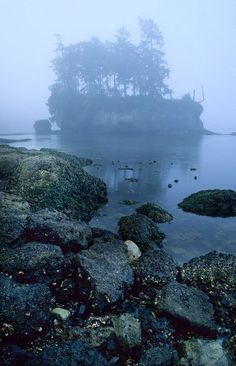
(212, 202)
(155, 213)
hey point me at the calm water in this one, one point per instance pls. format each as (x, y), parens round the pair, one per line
(156, 163)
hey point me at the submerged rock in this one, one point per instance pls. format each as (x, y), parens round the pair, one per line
(68, 353)
(13, 214)
(203, 352)
(47, 179)
(24, 307)
(141, 230)
(188, 306)
(33, 262)
(215, 274)
(155, 213)
(104, 274)
(51, 226)
(212, 202)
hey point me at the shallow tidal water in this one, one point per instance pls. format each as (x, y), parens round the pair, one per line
(155, 163)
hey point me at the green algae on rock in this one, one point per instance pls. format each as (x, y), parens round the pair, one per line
(155, 213)
(211, 202)
(47, 179)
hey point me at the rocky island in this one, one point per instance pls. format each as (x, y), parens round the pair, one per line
(72, 294)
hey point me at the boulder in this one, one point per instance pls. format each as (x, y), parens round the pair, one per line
(68, 353)
(104, 273)
(13, 214)
(215, 274)
(24, 308)
(212, 202)
(188, 306)
(128, 330)
(203, 352)
(33, 262)
(141, 230)
(155, 268)
(155, 213)
(51, 226)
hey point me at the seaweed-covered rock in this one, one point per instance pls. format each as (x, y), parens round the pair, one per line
(33, 262)
(141, 230)
(47, 179)
(159, 356)
(13, 214)
(68, 353)
(212, 202)
(215, 274)
(103, 273)
(188, 306)
(51, 226)
(155, 268)
(203, 352)
(24, 308)
(154, 212)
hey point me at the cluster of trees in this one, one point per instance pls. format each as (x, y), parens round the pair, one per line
(120, 68)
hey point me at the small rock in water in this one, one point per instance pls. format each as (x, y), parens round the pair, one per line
(61, 314)
(195, 177)
(134, 252)
(176, 181)
(193, 169)
(170, 185)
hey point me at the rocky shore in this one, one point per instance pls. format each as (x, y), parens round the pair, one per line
(71, 294)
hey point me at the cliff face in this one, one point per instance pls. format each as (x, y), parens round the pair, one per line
(138, 114)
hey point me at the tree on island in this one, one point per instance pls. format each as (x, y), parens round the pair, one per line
(42, 127)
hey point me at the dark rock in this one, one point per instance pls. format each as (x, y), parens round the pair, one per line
(212, 202)
(51, 226)
(95, 337)
(155, 268)
(69, 353)
(141, 230)
(25, 308)
(46, 179)
(159, 356)
(188, 306)
(103, 273)
(34, 262)
(155, 213)
(13, 215)
(102, 236)
(215, 274)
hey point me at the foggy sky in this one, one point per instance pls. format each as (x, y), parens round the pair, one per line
(200, 37)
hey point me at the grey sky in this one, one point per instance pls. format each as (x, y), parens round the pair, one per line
(200, 37)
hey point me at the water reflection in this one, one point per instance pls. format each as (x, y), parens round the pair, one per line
(152, 164)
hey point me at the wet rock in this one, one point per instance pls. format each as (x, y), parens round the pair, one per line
(49, 179)
(102, 236)
(104, 273)
(134, 252)
(33, 262)
(212, 202)
(60, 314)
(13, 214)
(203, 352)
(68, 353)
(154, 269)
(141, 230)
(95, 337)
(51, 226)
(155, 213)
(24, 307)
(188, 306)
(215, 274)
(159, 356)
(128, 330)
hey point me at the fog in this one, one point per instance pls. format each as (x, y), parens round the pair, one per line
(200, 43)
